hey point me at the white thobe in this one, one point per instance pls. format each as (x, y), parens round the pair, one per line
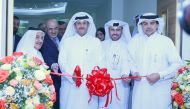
(39, 55)
(86, 52)
(154, 54)
(118, 64)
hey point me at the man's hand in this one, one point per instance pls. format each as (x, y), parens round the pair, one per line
(74, 79)
(136, 74)
(153, 78)
(127, 80)
(55, 67)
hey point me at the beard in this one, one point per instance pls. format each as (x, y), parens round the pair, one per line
(115, 37)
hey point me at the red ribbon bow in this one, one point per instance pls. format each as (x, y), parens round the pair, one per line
(99, 83)
(77, 72)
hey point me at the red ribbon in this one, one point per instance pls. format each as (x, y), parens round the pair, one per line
(68, 75)
(99, 82)
(128, 77)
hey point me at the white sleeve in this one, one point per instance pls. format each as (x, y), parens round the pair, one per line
(62, 60)
(131, 56)
(126, 63)
(101, 55)
(173, 60)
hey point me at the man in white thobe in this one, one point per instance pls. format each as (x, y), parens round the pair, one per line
(157, 58)
(79, 47)
(117, 62)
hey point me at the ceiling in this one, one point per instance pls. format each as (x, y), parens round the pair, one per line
(96, 8)
(49, 3)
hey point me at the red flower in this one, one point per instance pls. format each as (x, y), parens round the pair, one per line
(7, 60)
(173, 93)
(174, 85)
(181, 70)
(37, 60)
(178, 98)
(2, 104)
(3, 75)
(48, 80)
(78, 74)
(17, 54)
(40, 106)
(53, 97)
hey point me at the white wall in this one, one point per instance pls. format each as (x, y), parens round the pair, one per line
(117, 9)
(2, 27)
(134, 7)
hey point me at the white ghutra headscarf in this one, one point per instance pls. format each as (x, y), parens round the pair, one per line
(27, 42)
(71, 31)
(150, 17)
(126, 35)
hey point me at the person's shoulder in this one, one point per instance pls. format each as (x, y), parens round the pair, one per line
(165, 41)
(68, 39)
(94, 39)
(106, 42)
(135, 38)
(46, 37)
(165, 38)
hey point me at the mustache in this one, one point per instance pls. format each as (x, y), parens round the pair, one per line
(39, 43)
(149, 29)
(115, 35)
(81, 28)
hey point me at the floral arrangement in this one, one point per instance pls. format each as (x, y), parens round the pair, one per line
(181, 88)
(25, 83)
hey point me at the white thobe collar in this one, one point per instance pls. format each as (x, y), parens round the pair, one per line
(151, 36)
(115, 44)
(81, 37)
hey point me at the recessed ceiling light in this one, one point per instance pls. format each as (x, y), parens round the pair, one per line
(42, 11)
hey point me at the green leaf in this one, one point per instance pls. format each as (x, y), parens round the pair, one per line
(11, 76)
(1, 86)
(23, 105)
(187, 60)
(26, 66)
(1, 63)
(178, 89)
(43, 98)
